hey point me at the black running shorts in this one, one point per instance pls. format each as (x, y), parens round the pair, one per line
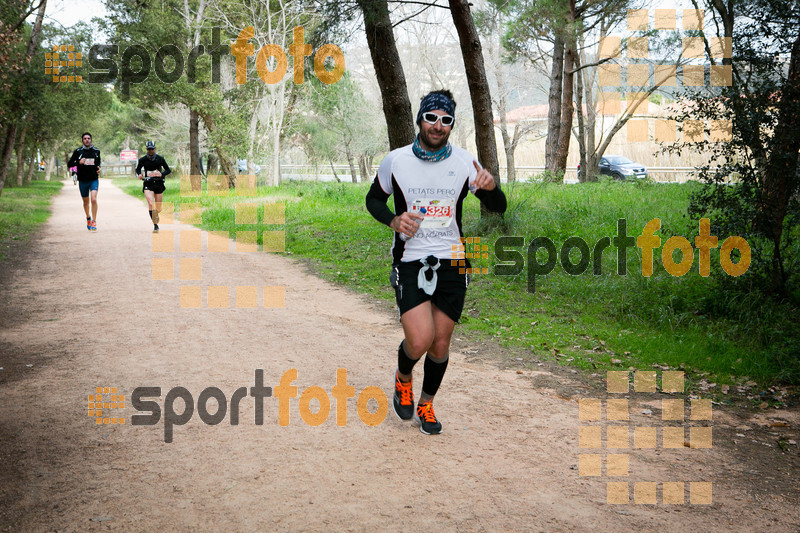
(451, 288)
(157, 186)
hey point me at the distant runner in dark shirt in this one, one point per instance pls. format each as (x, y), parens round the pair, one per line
(87, 161)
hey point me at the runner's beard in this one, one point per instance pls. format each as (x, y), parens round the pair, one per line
(429, 144)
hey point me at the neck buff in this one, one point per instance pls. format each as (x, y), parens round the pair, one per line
(442, 153)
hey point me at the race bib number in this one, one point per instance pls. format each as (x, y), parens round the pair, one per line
(151, 173)
(88, 161)
(437, 213)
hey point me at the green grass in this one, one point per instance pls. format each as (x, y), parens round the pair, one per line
(596, 322)
(23, 210)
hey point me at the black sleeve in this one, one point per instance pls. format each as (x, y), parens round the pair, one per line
(97, 163)
(139, 166)
(166, 167)
(73, 161)
(376, 203)
(494, 200)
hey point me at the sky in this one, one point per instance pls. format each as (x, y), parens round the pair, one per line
(69, 12)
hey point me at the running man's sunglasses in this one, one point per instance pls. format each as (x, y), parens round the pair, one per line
(431, 118)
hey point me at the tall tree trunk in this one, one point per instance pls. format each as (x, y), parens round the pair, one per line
(224, 161)
(554, 104)
(389, 71)
(31, 166)
(11, 132)
(501, 110)
(251, 138)
(726, 13)
(35, 33)
(49, 166)
(567, 105)
(507, 149)
(8, 149)
(352, 163)
(478, 87)
(780, 176)
(591, 117)
(582, 174)
(511, 168)
(228, 169)
(335, 175)
(194, 150)
(21, 152)
(195, 170)
(362, 168)
(567, 109)
(368, 160)
(275, 164)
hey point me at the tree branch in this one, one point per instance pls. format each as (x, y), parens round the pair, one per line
(21, 21)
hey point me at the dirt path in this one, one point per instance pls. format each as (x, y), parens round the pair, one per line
(82, 311)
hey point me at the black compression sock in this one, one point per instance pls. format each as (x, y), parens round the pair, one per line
(151, 214)
(434, 372)
(404, 363)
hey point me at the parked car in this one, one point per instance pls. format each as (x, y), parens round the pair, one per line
(620, 167)
(242, 163)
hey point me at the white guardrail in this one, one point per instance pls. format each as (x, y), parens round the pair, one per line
(324, 172)
(657, 174)
(309, 172)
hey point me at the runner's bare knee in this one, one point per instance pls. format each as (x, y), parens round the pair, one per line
(418, 344)
(440, 349)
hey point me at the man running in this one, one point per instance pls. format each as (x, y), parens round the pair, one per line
(429, 180)
(151, 169)
(87, 160)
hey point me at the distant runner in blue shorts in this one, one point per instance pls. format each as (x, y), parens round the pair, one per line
(87, 160)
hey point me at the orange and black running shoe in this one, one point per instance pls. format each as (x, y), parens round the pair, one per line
(427, 419)
(403, 401)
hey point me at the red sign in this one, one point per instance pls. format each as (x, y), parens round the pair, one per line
(128, 155)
